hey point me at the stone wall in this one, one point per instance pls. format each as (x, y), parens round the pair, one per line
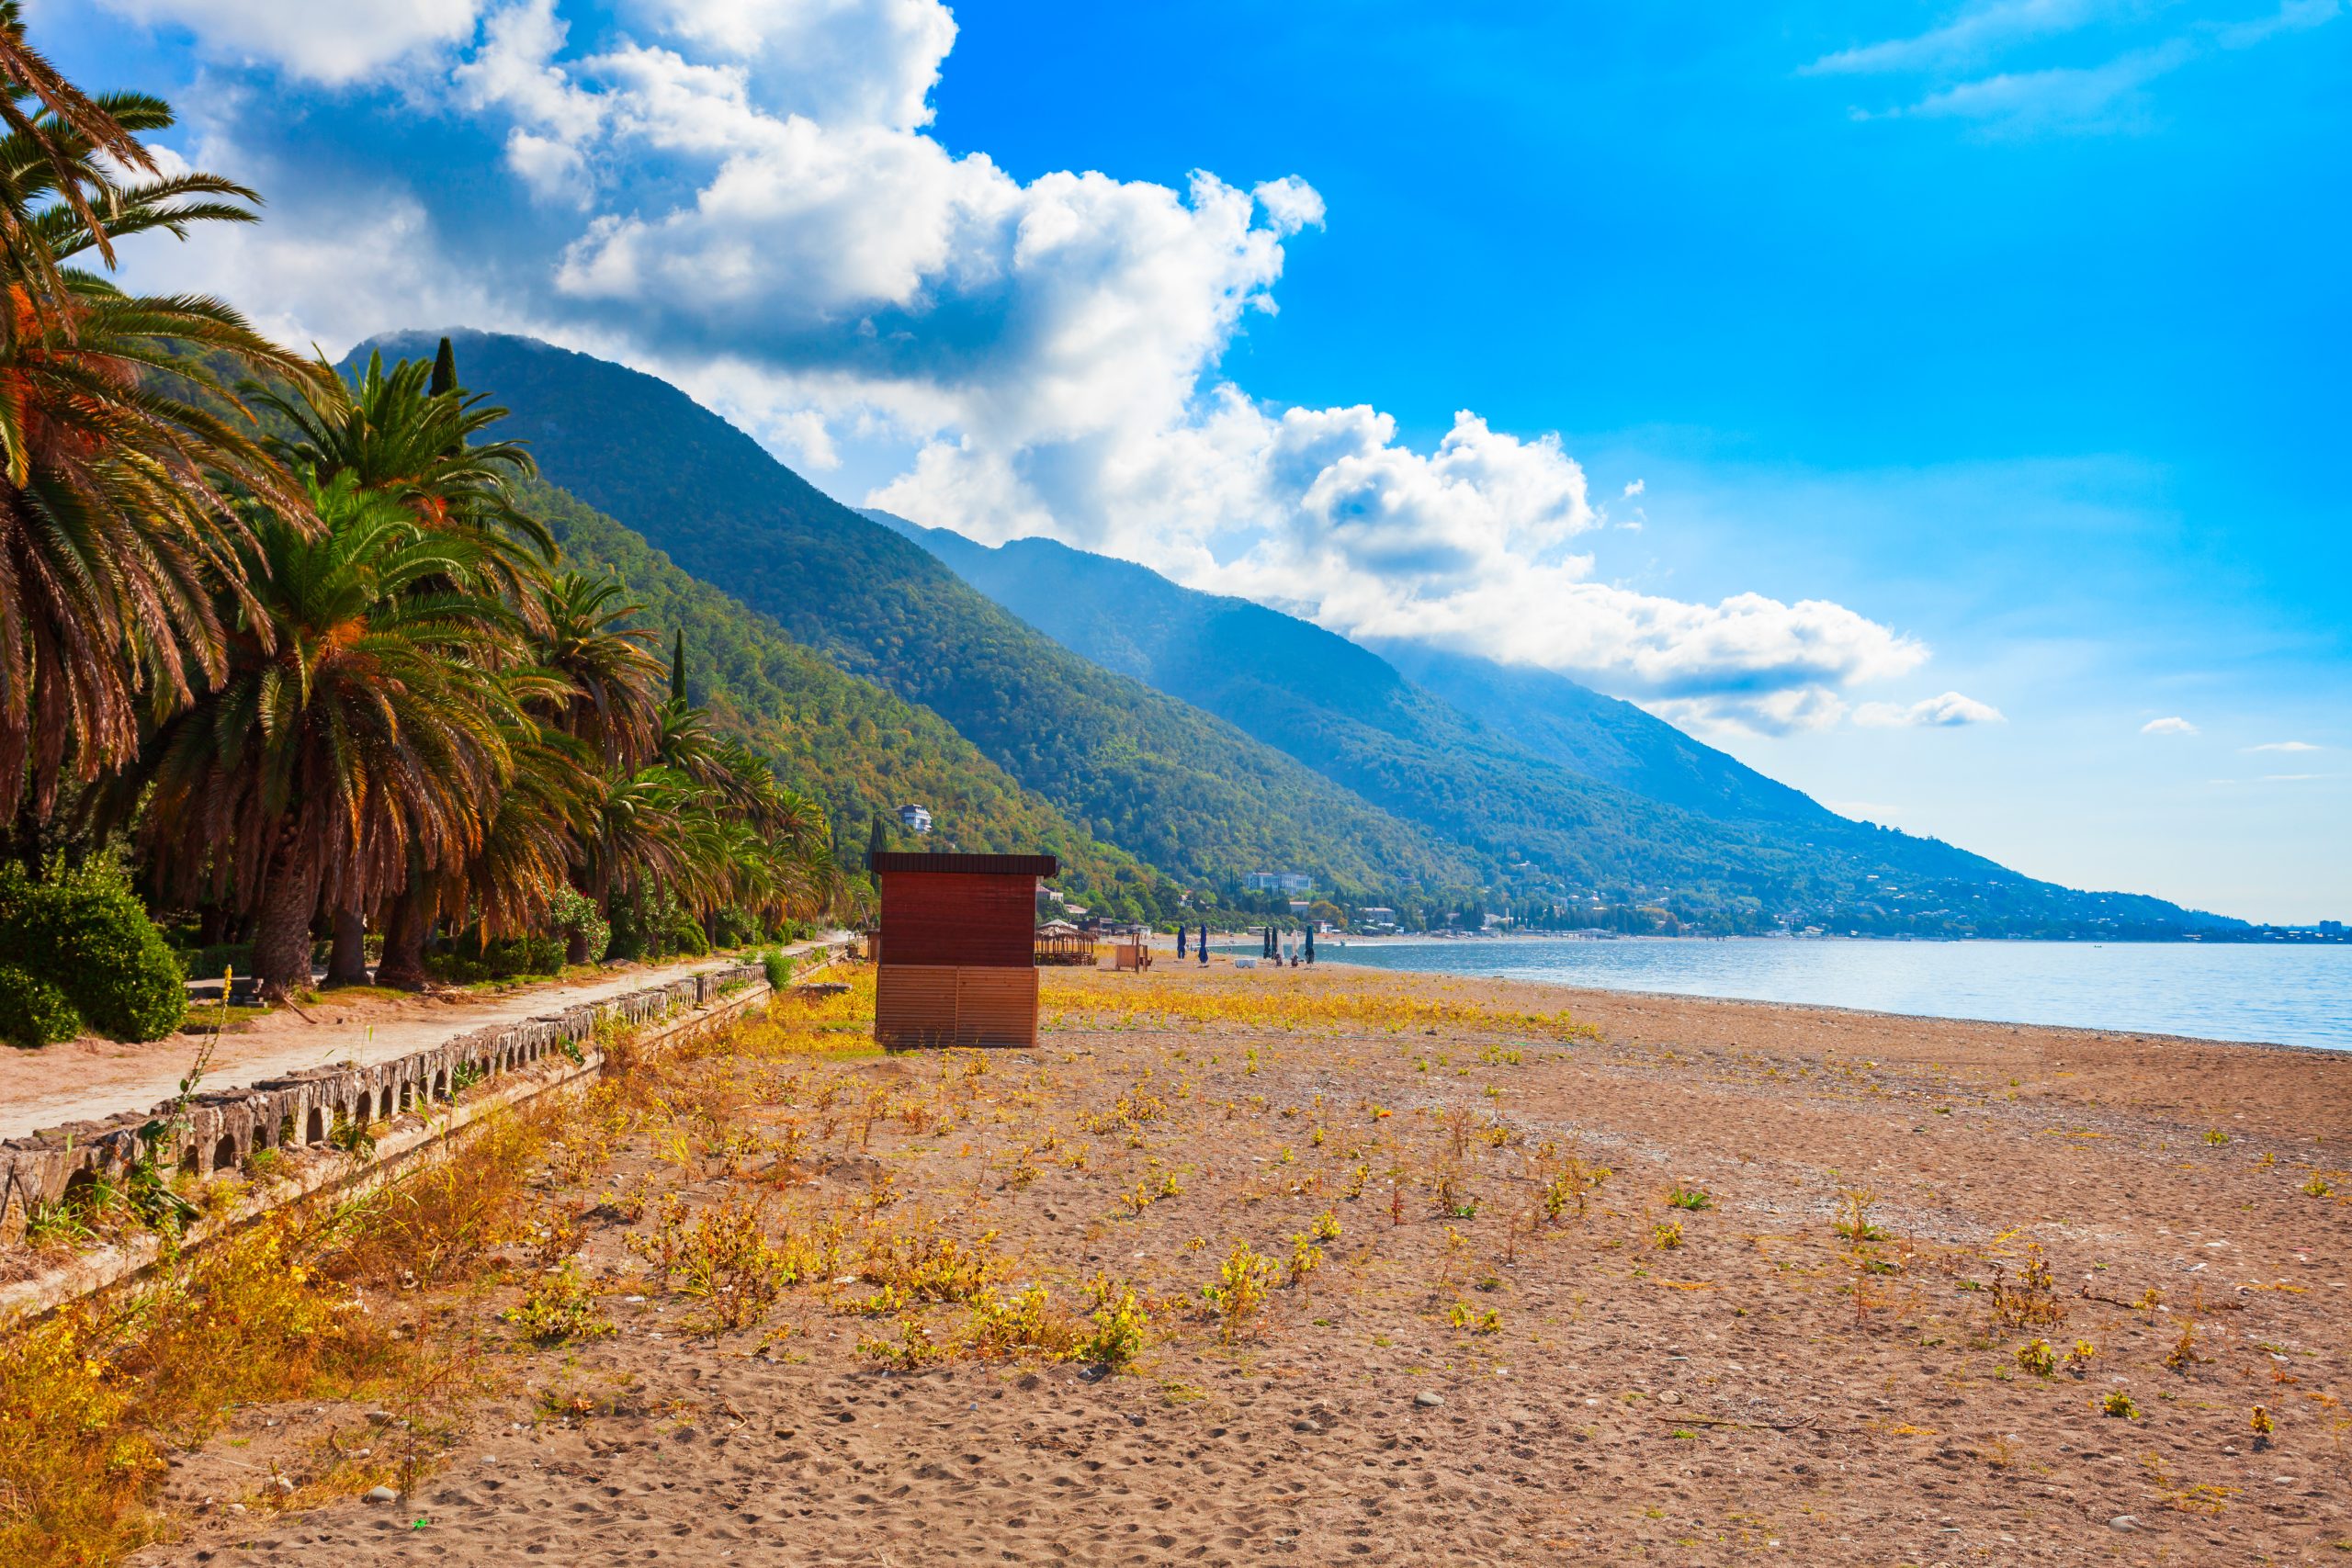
(225, 1129)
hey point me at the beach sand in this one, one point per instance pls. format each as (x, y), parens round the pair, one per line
(1765, 1389)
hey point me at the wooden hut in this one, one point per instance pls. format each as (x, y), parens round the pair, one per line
(956, 959)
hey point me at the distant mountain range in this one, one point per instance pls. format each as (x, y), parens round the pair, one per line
(1210, 737)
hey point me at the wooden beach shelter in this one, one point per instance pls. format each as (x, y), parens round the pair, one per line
(956, 957)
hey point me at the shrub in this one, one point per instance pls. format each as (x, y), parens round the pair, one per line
(211, 963)
(33, 1012)
(87, 934)
(575, 911)
(686, 939)
(779, 969)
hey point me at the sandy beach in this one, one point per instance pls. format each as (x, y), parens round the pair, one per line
(1549, 1276)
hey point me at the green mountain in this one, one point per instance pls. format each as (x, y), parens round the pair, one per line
(1523, 765)
(1605, 738)
(861, 750)
(1350, 716)
(1165, 782)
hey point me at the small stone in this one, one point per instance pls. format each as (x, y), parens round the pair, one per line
(2123, 1522)
(382, 1495)
(236, 1508)
(1430, 1397)
(283, 1484)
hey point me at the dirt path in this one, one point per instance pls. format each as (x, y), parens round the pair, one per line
(88, 1080)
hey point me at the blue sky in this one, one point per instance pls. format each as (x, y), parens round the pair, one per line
(1979, 366)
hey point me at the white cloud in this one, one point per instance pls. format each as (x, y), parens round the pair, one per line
(331, 41)
(2284, 746)
(1976, 32)
(2061, 98)
(1637, 488)
(2173, 726)
(1948, 711)
(761, 216)
(840, 61)
(1292, 203)
(2074, 96)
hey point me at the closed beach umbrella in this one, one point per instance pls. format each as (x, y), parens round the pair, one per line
(1310, 945)
(1179, 941)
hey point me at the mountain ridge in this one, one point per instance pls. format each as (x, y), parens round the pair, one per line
(1370, 783)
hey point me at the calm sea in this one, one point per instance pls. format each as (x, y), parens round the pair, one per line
(2296, 996)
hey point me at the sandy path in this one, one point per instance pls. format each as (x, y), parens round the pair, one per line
(88, 1080)
(1752, 1393)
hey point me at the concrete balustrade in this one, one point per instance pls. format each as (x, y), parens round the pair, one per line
(223, 1130)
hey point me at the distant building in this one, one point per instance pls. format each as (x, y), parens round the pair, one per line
(1281, 882)
(1374, 918)
(915, 818)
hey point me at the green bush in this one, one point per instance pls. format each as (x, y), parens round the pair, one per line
(506, 958)
(686, 939)
(779, 969)
(33, 1012)
(86, 933)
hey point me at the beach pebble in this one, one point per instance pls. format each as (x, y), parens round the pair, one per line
(382, 1495)
(1429, 1396)
(2123, 1522)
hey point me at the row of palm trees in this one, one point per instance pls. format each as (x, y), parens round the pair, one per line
(293, 638)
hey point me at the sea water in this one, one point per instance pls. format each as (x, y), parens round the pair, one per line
(2290, 995)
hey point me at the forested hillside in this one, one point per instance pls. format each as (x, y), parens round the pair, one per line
(862, 749)
(1161, 780)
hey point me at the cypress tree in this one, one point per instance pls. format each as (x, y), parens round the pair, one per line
(876, 842)
(444, 370)
(678, 666)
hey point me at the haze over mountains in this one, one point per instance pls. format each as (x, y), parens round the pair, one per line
(1211, 738)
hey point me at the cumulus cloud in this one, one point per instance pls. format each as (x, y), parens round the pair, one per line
(2172, 726)
(743, 196)
(1948, 711)
(333, 41)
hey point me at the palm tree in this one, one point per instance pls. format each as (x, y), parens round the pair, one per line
(56, 121)
(358, 727)
(116, 525)
(392, 433)
(609, 671)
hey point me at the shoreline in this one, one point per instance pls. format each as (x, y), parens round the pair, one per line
(2295, 1002)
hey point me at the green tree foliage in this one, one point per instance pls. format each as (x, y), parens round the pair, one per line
(116, 514)
(363, 726)
(82, 936)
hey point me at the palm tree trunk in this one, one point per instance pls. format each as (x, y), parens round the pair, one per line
(347, 965)
(405, 925)
(282, 931)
